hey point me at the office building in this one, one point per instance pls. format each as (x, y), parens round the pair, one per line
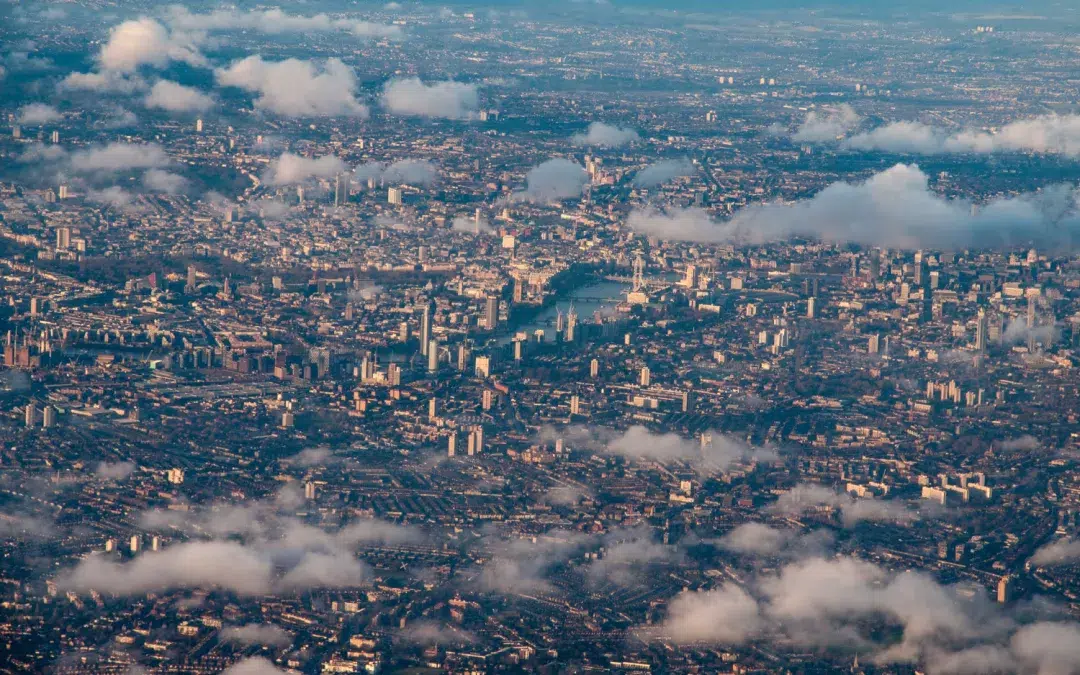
(491, 312)
(341, 189)
(425, 330)
(433, 356)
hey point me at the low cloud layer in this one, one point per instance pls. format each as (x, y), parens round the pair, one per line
(417, 172)
(664, 172)
(290, 169)
(114, 470)
(519, 565)
(628, 554)
(1050, 134)
(717, 453)
(256, 665)
(1061, 552)
(826, 125)
(758, 539)
(119, 157)
(554, 180)
(606, 135)
(893, 209)
(159, 180)
(296, 88)
(449, 100)
(174, 97)
(807, 498)
(257, 634)
(471, 225)
(249, 549)
(145, 41)
(891, 617)
(430, 633)
(276, 22)
(103, 82)
(36, 114)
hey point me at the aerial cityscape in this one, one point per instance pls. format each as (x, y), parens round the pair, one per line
(560, 337)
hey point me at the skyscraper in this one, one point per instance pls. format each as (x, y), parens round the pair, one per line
(491, 312)
(394, 196)
(980, 331)
(425, 329)
(571, 324)
(341, 189)
(433, 356)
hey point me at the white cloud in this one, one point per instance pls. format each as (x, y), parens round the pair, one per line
(114, 470)
(404, 171)
(106, 81)
(336, 569)
(36, 114)
(276, 21)
(627, 555)
(717, 454)
(296, 88)
(891, 617)
(1060, 552)
(470, 225)
(1048, 648)
(450, 100)
(144, 41)
(174, 97)
(199, 564)
(827, 125)
(893, 209)
(518, 566)
(256, 665)
(1050, 134)
(1018, 331)
(257, 634)
(159, 180)
(663, 172)
(554, 180)
(254, 548)
(39, 152)
(428, 633)
(311, 457)
(289, 169)
(118, 157)
(756, 539)
(120, 118)
(725, 615)
(114, 196)
(606, 135)
(806, 498)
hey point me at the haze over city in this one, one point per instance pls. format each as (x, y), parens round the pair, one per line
(560, 337)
